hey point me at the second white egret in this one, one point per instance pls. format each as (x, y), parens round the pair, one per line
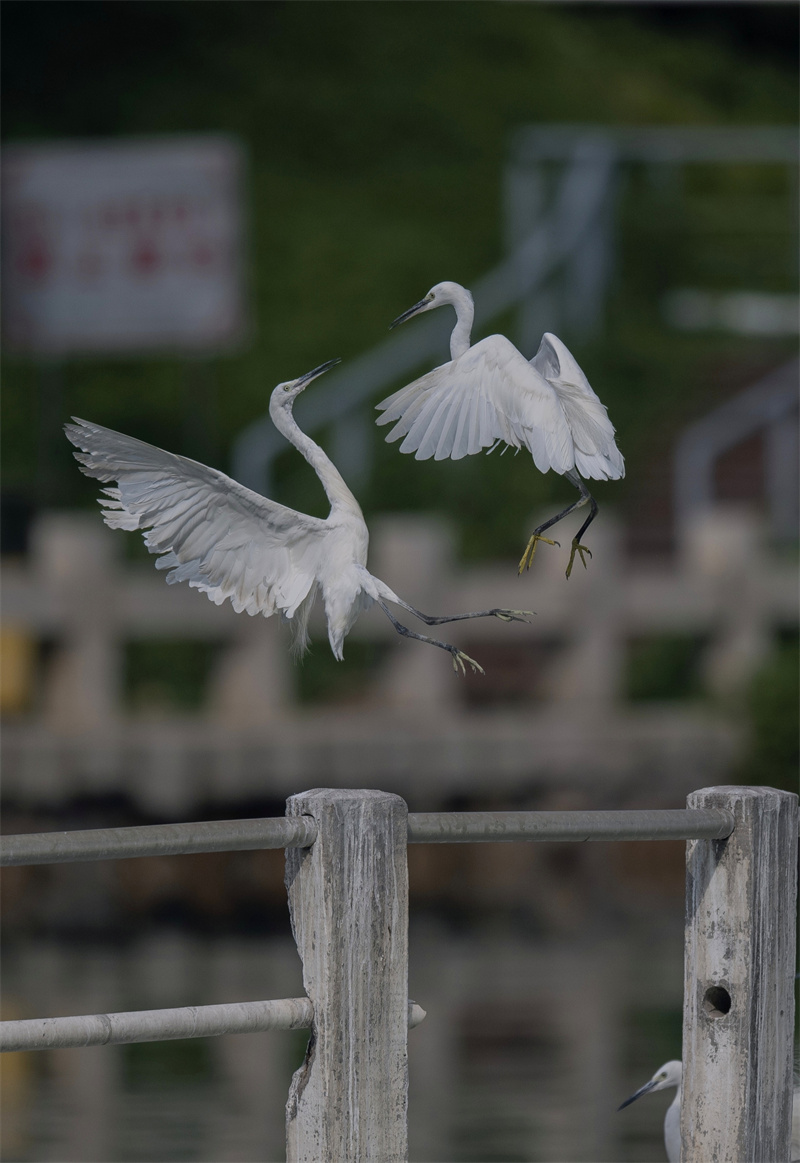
(489, 394)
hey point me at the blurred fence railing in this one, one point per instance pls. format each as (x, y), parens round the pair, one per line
(347, 880)
(76, 610)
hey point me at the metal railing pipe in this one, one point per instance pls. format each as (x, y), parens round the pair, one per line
(293, 1013)
(247, 1017)
(158, 840)
(423, 828)
(482, 827)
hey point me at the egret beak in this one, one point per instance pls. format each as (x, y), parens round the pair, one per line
(303, 381)
(420, 306)
(648, 1086)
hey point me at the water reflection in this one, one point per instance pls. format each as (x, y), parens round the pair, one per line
(528, 1047)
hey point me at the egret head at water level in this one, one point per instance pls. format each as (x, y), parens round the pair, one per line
(665, 1077)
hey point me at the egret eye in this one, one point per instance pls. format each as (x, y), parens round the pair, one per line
(287, 387)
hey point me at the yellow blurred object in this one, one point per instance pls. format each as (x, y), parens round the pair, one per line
(17, 667)
(17, 1082)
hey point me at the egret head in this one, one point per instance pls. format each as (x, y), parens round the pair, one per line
(286, 394)
(666, 1076)
(437, 296)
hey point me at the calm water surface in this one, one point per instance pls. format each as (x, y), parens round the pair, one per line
(528, 1048)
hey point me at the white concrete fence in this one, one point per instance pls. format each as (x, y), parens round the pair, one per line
(724, 585)
(571, 723)
(347, 880)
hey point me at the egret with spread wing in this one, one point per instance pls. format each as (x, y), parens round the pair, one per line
(489, 394)
(232, 543)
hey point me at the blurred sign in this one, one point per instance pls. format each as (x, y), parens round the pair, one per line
(122, 247)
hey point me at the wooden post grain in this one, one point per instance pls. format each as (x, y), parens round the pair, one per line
(741, 906)
(348, 897)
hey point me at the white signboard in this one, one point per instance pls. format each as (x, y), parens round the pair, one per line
(123, 247)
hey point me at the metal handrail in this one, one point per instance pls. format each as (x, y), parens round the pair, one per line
(245, 1017)
(767, 405)
(423, 828)
(293, 1013)
(158, 840)
(650, 824)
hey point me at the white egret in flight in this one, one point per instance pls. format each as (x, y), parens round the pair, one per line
(670, 1075)
(489, 394)
(666, 1076)
(232, 543)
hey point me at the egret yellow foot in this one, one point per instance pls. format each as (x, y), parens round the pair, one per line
(580, 549)
(459, 658)
(513, 615)
(528, 555)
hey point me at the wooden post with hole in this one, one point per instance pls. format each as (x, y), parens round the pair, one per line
(348, 898)
(738, 1017)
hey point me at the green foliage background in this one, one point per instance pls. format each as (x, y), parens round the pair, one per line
(377, 134)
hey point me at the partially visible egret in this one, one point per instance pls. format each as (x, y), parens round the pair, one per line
(232, 543)
(670, 1075)
(489, 394)
(666, 1076)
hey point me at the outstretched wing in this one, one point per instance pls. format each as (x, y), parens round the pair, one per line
(214, 533)
(489, 394)
(596, 453)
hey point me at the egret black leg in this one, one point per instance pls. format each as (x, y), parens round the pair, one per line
(437, 620)
(536, 536)
(458, 656)
(576, 541)
(585, 498)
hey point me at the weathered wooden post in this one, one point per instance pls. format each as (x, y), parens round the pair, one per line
(348, 897)
(738, 1016)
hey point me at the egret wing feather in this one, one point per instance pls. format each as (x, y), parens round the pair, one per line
(424, 434)
(210, 531)
(489, 393)
(596, 452)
